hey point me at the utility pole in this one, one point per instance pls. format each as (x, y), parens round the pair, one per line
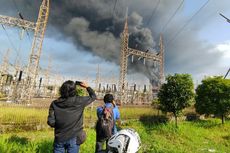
(227, 19)
(227, 73)
(126, 51)
(39, 31)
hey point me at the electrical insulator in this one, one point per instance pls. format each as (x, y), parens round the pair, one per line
(20, 76)
(145, 88)
(114, 88)
(134, 87)
(99, 87)
(40, 82)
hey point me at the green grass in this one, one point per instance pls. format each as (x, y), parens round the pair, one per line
(22, 115)
(157, 134)
(190, 137)
(26, 118)
(26, 142)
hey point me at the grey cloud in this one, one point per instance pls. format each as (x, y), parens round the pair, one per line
(100, 43)
(92, 25)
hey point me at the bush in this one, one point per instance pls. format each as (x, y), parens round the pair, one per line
(192, 117)
(153, 119)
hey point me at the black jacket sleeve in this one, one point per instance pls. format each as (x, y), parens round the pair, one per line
(91, 93)
(51, 116)
(86, 100)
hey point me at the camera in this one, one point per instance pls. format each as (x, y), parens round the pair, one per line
(78, 83)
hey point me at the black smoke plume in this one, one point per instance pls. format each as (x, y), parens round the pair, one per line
(95, 26)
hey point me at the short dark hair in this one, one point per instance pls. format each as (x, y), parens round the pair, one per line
(68, 89)
(108, 98)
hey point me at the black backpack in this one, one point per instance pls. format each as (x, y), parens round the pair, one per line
(105, 123)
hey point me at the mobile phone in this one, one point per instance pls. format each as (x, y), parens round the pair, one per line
(78, 82)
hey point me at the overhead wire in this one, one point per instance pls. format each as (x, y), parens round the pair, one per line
(183, 27)
(114, 7)
(19, 13)
(153, 12)
(8, 37)
(17, 58)
(10, 41)
(15, 5)
(28, 35)
(173, 15)
(3, 60)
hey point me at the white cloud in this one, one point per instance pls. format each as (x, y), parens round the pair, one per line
(224, 48)
(220, 68)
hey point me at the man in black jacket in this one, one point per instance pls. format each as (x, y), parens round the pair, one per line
(66, 116)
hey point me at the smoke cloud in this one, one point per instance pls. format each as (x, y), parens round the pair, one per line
(95, 26)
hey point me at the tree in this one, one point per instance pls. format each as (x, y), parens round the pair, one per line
(213, 97)
(176, 94)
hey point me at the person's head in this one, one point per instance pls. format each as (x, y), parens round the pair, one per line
(108, 98)
(68, 89)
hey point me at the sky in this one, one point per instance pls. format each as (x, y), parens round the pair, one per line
(82, 35)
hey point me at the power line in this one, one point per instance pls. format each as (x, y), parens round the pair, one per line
(3, 56)
(27, 33)
(227, 73)
(15, 5)
(114, 7)
(173, 15)
(11, 43)
(29, 36)
(154, 10)
(183, 27)
(20, 15)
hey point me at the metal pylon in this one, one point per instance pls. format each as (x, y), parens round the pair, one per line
(126, 51)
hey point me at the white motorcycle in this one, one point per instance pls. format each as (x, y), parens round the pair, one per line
(124, 141)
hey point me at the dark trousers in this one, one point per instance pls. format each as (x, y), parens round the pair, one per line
(70, 146)
(99, 146)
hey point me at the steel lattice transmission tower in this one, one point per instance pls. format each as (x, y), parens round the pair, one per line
(39, 31)
(4, 68)
(5, 63)
(32, 69)
(126, 51)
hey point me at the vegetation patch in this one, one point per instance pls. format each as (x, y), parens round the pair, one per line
(189, 137)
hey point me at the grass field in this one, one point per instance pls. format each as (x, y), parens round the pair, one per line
(27, 118)
(190, 137)
(157, 135)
